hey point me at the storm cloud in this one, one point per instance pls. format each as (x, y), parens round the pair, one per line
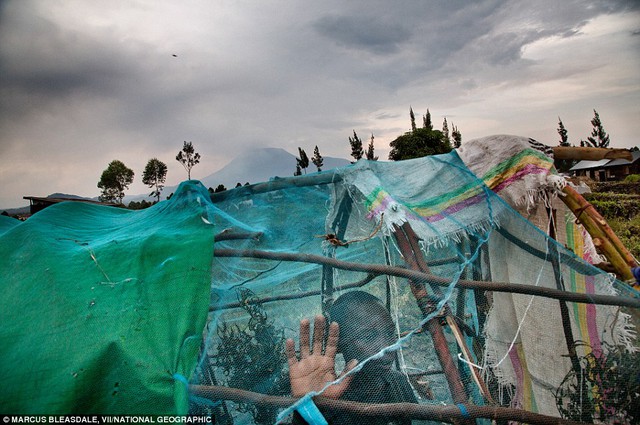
(83, 83)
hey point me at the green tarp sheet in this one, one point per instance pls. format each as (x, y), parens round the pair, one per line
(102, 308)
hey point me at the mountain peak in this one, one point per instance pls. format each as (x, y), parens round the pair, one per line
(261, 165)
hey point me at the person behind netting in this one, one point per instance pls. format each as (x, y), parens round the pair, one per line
(361, 327)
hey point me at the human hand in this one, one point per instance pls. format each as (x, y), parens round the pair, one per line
(315, 368)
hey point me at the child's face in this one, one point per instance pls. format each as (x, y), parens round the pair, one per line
(365, 334)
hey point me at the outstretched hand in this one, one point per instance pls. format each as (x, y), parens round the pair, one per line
(314, 368)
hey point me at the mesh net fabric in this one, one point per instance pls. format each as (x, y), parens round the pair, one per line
(113, 311)
(416, 235)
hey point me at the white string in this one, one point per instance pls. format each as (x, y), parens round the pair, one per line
(524, 316)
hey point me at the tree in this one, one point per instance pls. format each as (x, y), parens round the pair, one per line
(599, 138)
(445, 130)
(303, 161)
(115, 179)
(456, 136)
(317, 158)
(298, 170)
(154, 175)
(413, 119)
(220, 188)
(356, 146)
(370, 150)
(426, 121)
(564, 139)
(563, 165)
(188, 157)
(415, 144)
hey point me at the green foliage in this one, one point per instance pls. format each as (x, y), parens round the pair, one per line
(317, 158)
(252, 357)
(615, 205)
(632, 178)
(599, 138)
(456, 136)
(621, 209)
(415, 144)
(188, 157)
(628, 231)
(412, 116)
(357, 150)
(115, 179)
(154, 175)
(370, 154)
(564, 138)
(303, 162)
(445, 130)
(134, 205)
(606, 388)
(426, 121)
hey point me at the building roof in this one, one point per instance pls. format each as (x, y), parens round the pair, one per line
(57, 200)
(586, 165)
(605, 163)
(635, 156)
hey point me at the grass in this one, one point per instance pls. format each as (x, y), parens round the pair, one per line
(628, 230)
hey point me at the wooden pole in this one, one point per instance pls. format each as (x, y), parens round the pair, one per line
(590, 154)
(603, 236)
(415, 261)
(382, 269)
(449, 413)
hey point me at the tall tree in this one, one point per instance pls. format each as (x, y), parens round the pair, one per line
(317, 158)
(456, 136)
(154, 175)
(413, 119)
(562, 131)
(426, 121)
(599, 138)
(356, 146)
(445, 130)
(115, 179)
(303, 161)
(371, 156)
(563, 165)
(188, 157)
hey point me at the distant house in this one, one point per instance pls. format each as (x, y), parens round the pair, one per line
(608, 169)
(37, 203)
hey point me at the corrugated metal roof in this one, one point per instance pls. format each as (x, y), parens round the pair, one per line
(586, 165)
(614, 162)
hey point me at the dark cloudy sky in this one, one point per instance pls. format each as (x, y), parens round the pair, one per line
(83, 82)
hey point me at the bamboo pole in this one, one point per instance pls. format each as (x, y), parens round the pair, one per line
(381, 269)
(450, 413)
(415, 261)
(603, 236)
(590, 154)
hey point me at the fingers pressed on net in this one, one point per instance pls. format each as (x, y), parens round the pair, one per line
(304, 338)
(290, 349)
(318, 334)
(332, 340)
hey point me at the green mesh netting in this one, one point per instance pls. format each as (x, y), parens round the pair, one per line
(449, 299)
(102, 306)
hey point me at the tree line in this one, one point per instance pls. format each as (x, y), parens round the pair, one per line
(598, 138)
(117, 177)
(420, 141)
